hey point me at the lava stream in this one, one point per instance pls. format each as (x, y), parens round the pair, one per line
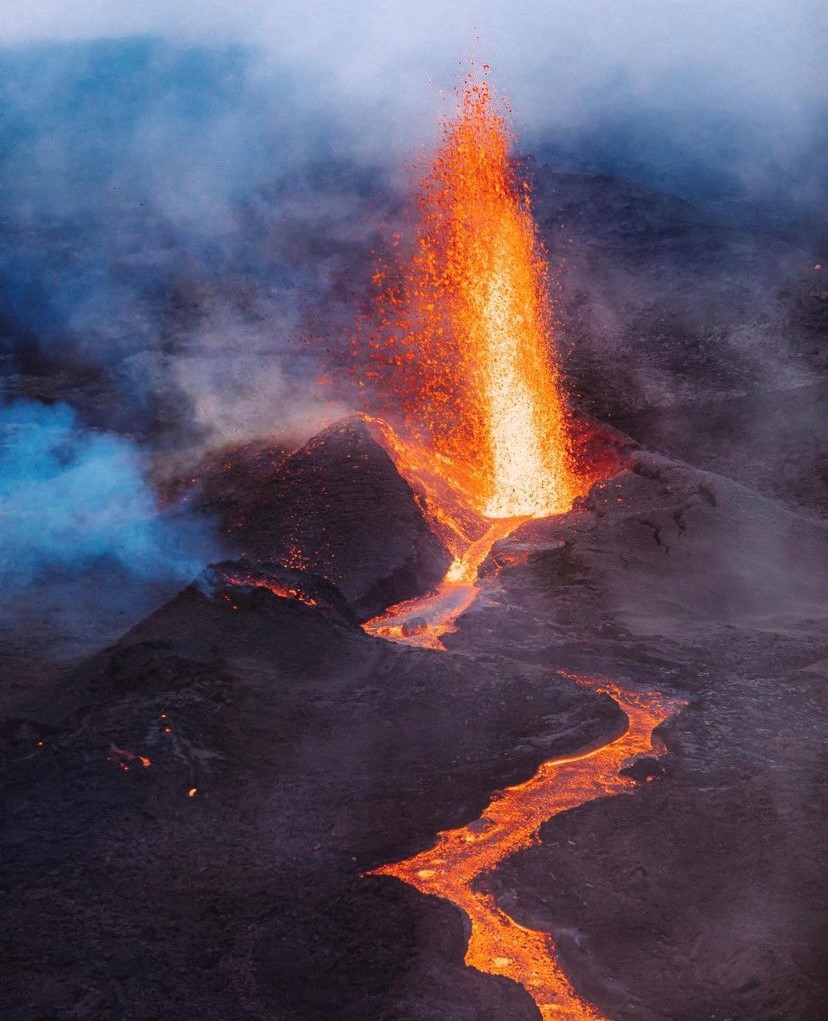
(499, 945)
(423, 621)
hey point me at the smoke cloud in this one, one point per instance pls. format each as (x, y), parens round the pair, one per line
(702, 93)
(70, 496)
(191, 192)
(554, 59)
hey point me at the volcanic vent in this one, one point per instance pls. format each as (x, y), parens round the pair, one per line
(458, 361)
(456, 367)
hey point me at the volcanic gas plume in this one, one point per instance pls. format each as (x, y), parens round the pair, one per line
(461, 335)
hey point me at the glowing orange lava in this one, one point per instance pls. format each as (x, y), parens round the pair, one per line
(424, 621)
(462, 346)
(499, 945)
(463, 340)
(281, 591)
(123, 759)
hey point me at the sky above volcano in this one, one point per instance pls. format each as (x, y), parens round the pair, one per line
(632, 85)
(764, 54)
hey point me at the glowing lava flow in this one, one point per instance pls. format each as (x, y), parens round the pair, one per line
(424, 621)
(462, 343)
(498, 945)
(285, 591)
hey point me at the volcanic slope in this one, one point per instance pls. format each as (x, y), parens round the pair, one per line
(336, 507)
(326, 507)
(703, 339)
(696, 897)
(188, 840)
(701, 896)
(316, 752)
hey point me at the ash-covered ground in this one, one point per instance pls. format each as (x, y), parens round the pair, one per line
(289, 752)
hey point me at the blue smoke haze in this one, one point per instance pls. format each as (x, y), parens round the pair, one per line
(181, 182)
(187, 129)
(133, 167)
(70, 496)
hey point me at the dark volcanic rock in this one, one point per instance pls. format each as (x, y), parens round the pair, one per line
(773, 441)
(379, 944)
(699, 897)
(315, 752)
(659, 304)
(663, 563)
(337, 508)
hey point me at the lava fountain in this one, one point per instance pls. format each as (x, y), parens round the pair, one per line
(461, 332)
(461, 344)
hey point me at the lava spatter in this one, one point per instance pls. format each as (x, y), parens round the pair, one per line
(462, 344)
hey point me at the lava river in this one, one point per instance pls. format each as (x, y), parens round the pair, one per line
(424, 621)
(498, 944)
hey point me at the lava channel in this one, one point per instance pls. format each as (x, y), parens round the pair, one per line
(424, 620)
(498, 944)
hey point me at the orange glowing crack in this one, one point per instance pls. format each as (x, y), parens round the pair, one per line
(498, 945)
(282, 591)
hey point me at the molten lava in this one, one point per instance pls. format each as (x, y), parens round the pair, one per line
(464, 348)
(424, 620)
(499, 945)
(462, 338)
(124, 759)
(281, 591)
